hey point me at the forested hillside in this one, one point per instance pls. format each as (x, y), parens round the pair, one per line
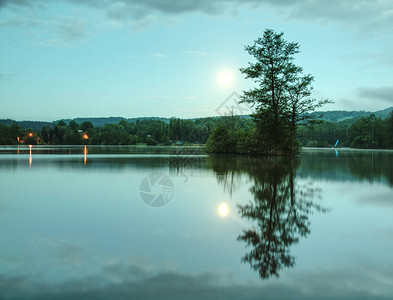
(368, 131)
(146, 131)
(343, 115)
(331, 116)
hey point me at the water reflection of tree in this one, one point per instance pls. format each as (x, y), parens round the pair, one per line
(373, 166)
(349, 165)
(229, 170)
(279, 210)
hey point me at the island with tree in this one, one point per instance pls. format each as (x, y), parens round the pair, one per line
(282, 100)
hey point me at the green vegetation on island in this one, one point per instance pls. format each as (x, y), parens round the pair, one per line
(282, 101)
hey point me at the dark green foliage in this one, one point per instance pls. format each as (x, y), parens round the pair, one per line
(272, 71)
(222, 140)
(72, 138)
(86, 126)
(365, 132)
(282, 96)
(389, 131)
(331, 116)
(150, 131)
(368, 133)
(323, 134)
(73, 126)
(46, 134)
(34, 125)
(165, 140)
(9, 135)
(232, 135)
(151, 141)
(243, 135)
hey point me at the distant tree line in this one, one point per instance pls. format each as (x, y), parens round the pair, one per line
(12, 134)
(365, 133)
(147, 131)
(232, 133)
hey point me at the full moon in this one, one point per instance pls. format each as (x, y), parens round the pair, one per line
(225, 78)
(223, 210)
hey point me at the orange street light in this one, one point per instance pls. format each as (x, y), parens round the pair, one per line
(30, 134)
(85, 136)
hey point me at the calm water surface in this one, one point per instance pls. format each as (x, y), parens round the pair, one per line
(173, 223)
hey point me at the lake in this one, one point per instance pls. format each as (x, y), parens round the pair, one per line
(135, 222)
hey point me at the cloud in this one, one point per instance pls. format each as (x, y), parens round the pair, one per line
(159, 55)
(363, 16)
(121, 271)
(18, 20)
(379, 94)
(122, 10)
(49, 29)
(15, 3)
(158, 97)
(69, 253)
(72, 29)
(199, 53)
(191, 98)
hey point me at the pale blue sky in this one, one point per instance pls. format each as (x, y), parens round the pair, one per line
(91, 58)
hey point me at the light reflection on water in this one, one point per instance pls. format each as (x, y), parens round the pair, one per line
(30, 156)
(74, 224)
(85, 156)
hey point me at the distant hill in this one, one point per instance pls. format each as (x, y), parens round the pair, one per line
(343, 115)
(35, 125)
(331, 116)
(99, 122)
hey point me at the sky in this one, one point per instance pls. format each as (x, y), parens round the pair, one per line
(165, 58)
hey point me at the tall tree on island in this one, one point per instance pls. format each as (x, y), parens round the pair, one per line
(300, 107)
(282, 97)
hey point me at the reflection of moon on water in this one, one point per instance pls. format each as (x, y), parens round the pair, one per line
(223, 210)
